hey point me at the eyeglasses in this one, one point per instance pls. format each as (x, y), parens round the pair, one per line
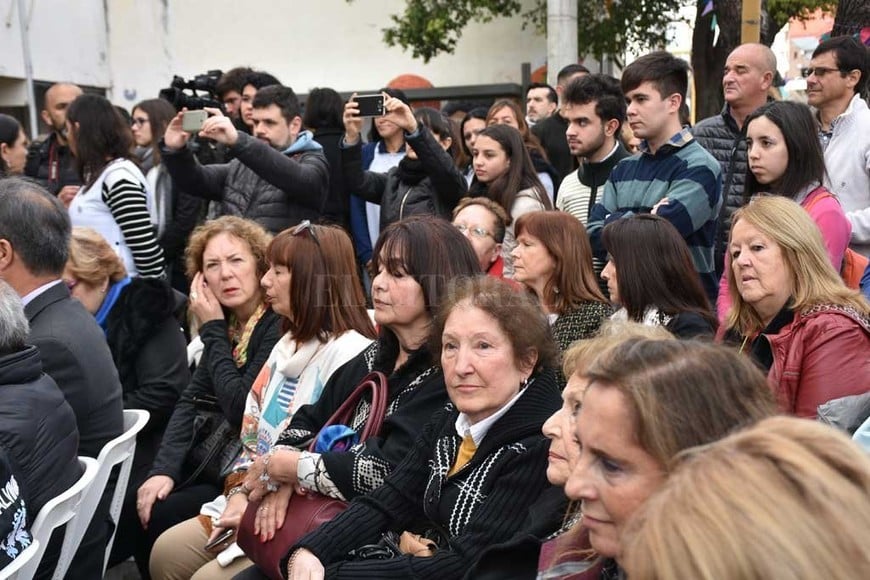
(819, 71)
(477, 231)
(305, 226)
(138, 121)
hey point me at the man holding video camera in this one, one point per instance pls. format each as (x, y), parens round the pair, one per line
(278, 177)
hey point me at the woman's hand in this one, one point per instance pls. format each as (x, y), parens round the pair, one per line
(304, 565)
(281, 469)
(175, 137)
(155, 488)
(352, 121)
(270, 514)
(202, 302)
(399, 113)
(232, 516)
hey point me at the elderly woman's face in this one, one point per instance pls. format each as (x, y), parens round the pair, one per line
(480, 370)
(560, 430)
(614, 474)
(230, 270)
(760, 272)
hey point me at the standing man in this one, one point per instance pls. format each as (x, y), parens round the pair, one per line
(836, 78)
(673, 176)
(551, 131)
(541, 102)
(749, 73)
(594, 107)
(50, 161)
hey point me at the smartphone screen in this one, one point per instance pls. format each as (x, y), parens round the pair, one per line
(370, 105)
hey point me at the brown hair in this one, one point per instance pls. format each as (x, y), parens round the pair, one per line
(573, 281)
(582, 353)
(160, 112)
(786, 497)
(248, 231)
(517, 314)
(530, 141)
(91, 258)
(326, 296)
(501, 221)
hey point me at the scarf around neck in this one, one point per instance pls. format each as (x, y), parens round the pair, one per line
(241, 339)
(411, 171)
(112, 295)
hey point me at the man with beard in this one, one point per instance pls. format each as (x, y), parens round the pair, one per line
(51, 162)
(277, 178)
(594, 107)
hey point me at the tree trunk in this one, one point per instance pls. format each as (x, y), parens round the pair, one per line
(851, 17)
(708, 61)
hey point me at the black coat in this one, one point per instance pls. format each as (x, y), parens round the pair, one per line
(39, 159)
(336, 205)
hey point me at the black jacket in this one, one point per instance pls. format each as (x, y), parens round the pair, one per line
(483, 503)
(437, 194)
(216, 375)
(336, 205)
(551, 133)
(260, 183)
(40, 157)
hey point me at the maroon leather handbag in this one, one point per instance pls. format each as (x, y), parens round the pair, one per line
(306, 512)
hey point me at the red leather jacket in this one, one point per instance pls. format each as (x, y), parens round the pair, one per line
(822, 354)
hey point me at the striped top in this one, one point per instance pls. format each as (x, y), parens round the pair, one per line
(127, 203)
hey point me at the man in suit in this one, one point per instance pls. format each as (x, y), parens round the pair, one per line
(34, 244)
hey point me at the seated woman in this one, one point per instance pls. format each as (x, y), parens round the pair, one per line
(790, 309)
(646, 401)
(532, 548)
(553, 259)
(417, 261)
(426, 181)
(785, 498)
(651, 276)
(484, 223)
(226, 258)
(312, 283)
(479, 463)
(504, 173)
(785, 159)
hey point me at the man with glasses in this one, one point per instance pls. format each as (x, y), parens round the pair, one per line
(50, 161)
(836, 78)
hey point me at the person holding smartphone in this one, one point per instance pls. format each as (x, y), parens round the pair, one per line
(426, 181)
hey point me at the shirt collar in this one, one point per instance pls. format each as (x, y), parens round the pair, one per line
(34, 294)
(680, 139)
(479, 430)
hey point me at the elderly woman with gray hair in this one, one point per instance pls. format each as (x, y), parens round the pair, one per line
(37, 426)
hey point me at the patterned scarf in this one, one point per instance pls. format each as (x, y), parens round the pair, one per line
(240, 350)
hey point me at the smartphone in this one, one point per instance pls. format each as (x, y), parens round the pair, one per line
(370, 105)
(192, 121)
(220, 539)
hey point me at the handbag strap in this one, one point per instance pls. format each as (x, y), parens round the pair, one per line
(376, 382)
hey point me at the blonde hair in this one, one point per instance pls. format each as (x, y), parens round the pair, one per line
(91, 258)
(581, 354)
(813, 278)
(248, 231)
(785, 498)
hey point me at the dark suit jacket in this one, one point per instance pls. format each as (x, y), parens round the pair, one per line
(75, 354)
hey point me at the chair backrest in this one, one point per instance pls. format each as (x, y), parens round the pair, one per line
(31, 552)
(56, 512)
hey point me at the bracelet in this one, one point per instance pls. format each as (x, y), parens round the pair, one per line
(267, 480)
(238, 489)
(290, 562)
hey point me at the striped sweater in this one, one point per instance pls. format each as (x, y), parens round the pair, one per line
(686, 174)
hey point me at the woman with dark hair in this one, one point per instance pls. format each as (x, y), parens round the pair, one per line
(116, 199)
(311, 283)
(785, 159)
(507, 112)
(177, 213)
(470, 127)
(651, 277)
(504, 173)
(323, 111)
(426, 181)
(480, 461)
(553, 260)
(417, 261)
(13, 146)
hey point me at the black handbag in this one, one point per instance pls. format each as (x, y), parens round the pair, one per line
(215, 445)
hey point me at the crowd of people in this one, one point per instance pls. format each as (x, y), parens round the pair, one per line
(601, 343)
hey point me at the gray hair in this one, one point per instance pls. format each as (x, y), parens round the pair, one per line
(13, 323)
(35, 224)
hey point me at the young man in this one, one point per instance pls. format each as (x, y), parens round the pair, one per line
(541, 102)
(749, 73)
(277, 178)
(50, 162)
(551, 131)
(594, 107)
(673, 176)
(836, 77)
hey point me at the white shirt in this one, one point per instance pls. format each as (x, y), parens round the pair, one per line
(34, 294)
(479, 430)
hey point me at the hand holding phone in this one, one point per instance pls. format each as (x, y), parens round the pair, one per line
(370, 105)
(217, 544)
(192, 121)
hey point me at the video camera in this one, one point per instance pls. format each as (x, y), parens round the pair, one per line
(204, 83)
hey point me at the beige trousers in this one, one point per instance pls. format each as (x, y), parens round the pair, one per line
(178, 554)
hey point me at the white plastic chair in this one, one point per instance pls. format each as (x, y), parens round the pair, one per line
(11, 572)
(119, 450)
(56, 512)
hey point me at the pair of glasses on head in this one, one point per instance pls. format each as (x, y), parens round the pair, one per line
(305, 226)
(140, 121)
(819, 71)
(476, 232)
